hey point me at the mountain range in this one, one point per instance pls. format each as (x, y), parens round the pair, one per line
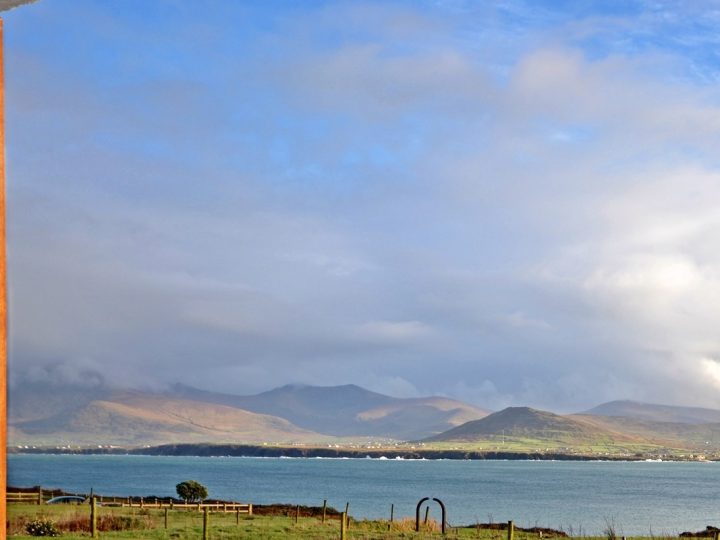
(349, 410)
(316, 415)
(289, 414)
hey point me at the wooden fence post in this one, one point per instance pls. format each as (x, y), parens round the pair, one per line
(93, 517)
(40, 496)
(347, 515)
(343, 526)
(392, 515)
(511, 530)
(166, 518)
(206, 532)
(297, 513)
(250, 509)
(237, 516)
(324, 509)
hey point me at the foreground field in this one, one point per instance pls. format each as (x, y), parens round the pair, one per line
(134, 523)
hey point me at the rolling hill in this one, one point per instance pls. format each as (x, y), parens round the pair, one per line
(523, 428)
(656, 413)
(137, 419)
(696, 437)
(36, 401)
(521, 422)
(349, 410)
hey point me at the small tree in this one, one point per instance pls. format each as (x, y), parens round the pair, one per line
(191, 491)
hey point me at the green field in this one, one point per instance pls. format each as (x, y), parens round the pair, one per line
(596, 447)
(73, 522)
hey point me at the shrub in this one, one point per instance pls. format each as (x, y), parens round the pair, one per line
(120, 523)
(112, 522)
(41, 527)
(75, 523)
(191, 491)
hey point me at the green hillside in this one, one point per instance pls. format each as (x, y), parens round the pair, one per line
(522, 429)
(135, 419)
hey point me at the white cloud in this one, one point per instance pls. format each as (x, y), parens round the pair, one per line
(365, 199)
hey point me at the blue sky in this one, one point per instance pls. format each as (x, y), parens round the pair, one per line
(505, 202)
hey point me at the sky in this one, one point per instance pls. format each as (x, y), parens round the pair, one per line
(506, 202)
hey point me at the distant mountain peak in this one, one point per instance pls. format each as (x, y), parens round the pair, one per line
(522, 410)
(616, 402)
(303, 386)
(293, 386)
(655, 412)
(517, 421)
(522, 415)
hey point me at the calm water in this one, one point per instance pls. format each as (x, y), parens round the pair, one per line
(639, 498)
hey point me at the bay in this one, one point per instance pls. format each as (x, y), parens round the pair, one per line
(579, 497)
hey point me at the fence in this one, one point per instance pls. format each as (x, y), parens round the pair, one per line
(36, 495)
(42, 496)
(172, 515)
(25, 497)
(243, 508)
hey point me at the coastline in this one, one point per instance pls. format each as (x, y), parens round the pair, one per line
(249, 450)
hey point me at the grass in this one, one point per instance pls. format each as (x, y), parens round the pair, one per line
(598, 446)
(73, 521)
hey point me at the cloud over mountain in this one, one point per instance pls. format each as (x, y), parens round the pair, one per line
(508, 203)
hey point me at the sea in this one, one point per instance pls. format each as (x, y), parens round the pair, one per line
(581, 498)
